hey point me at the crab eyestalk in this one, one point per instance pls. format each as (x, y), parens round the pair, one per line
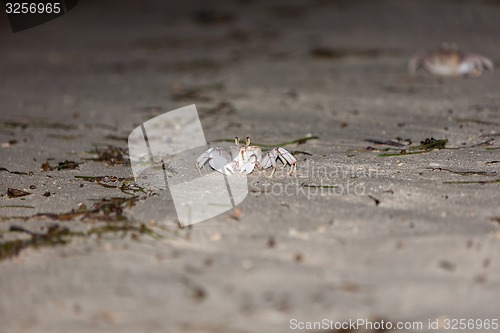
(237, 141)
(248, 141)
(449, 46)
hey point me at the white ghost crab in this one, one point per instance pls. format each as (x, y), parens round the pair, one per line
(245, 159)
(450, 61)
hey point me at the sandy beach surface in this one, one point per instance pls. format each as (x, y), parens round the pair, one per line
(410, 238)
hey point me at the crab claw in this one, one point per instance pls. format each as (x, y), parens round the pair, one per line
(250, 165)
(218, 159)
(221, 162)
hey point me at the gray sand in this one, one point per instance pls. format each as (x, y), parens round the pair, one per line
(393, 241)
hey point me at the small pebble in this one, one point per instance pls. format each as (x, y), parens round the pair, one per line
(271, 242)
(298, 257)
(216, 236)
(247, 264)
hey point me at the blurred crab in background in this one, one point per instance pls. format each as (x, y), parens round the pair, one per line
(245, 159)
(450, 61)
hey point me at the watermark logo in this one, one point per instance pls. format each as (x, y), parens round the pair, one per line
(163, 153)
(316, 180)
(28, 14)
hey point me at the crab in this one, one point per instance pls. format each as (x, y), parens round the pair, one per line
(245, 158)
(450, 61)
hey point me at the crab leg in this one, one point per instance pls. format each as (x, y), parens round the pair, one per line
(472, 66)
(417, 61)
(203, 158)
(285, 157)
(483, 62)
